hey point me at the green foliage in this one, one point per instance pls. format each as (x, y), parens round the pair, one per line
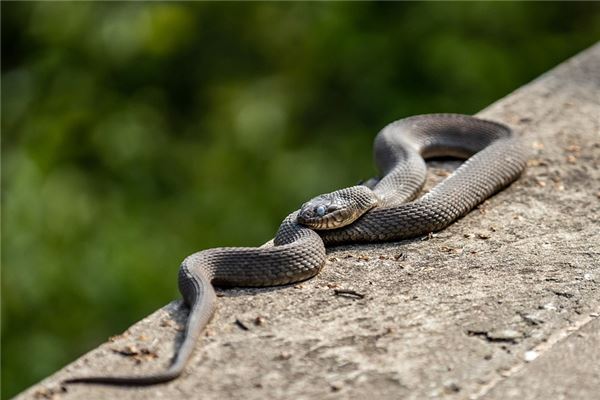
(137, 133)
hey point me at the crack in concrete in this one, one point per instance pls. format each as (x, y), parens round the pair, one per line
(541, 349)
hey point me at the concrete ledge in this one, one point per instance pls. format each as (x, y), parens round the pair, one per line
(568, 370)
(462, 314)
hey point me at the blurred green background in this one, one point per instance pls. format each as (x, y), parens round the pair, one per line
(134, 134)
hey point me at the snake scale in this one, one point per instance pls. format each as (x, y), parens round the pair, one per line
(382, 209)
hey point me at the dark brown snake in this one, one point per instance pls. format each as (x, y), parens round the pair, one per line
(380, 210)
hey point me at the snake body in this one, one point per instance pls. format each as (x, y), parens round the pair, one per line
(494, 160)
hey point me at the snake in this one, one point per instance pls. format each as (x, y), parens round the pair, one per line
(384, 208)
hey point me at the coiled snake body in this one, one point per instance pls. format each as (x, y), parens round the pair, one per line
(380, 210)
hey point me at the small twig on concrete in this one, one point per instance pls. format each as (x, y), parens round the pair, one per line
(241, 325)
(138, 355)
(429, 236)
(348, 293)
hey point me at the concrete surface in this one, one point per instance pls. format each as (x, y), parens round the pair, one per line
(461, 314)
(570, 370)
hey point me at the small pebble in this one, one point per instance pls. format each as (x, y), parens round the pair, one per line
(504, 334)
(284, 355)
(451, 387)
(531, 355)
(549, 306)
(537, 145)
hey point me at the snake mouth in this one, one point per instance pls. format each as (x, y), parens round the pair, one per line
(331, 220)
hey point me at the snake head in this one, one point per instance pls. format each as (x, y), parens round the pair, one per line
(336, 209)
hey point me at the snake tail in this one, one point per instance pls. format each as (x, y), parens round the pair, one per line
(297, 253)
(201, 298)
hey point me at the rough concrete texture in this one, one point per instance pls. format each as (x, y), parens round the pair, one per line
(459, 314)
(546, 378)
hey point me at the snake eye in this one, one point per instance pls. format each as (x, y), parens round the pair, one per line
(320, 211)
